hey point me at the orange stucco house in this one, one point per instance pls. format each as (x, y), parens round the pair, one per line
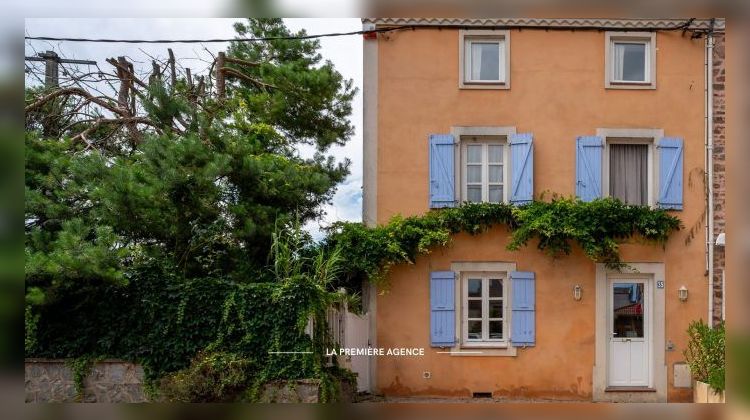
(502, 110)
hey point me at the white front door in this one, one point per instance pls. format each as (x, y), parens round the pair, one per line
(629, 331)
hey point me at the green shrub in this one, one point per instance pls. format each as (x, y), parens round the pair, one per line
(705, 353)
(211, 377)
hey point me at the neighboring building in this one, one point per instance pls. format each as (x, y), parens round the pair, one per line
(719, 177)
(504, 110)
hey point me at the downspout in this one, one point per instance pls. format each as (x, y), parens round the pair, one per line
(710, 173)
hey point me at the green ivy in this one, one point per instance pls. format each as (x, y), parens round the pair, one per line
(597, 227)
(205, 339)
(81, 368)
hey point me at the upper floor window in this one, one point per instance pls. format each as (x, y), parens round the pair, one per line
(629, 170)
(484, 60)
(484, 165)
(630, 167)
(630, 60)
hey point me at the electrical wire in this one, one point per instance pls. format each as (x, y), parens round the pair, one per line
(197, 41)
(685, 26)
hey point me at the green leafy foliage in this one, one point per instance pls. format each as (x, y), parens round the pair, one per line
(203, 199)
(309, 100)
(150, 242)
(212, 377)
(597, 227)
(706, 353)
(163, 321)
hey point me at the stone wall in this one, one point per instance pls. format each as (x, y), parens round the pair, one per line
(110, 381)
(115, 381)
(719, 167)
(304, 391)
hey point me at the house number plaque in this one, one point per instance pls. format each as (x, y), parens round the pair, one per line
(660, 284)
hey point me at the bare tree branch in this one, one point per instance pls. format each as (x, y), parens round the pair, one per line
(78, 92)
(239, 75)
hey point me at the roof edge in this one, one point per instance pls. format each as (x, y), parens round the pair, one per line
(695, 24)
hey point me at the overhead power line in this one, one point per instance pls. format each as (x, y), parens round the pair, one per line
(203, 41)
(684, 26)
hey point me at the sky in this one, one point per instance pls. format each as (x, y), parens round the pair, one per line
(344, 52)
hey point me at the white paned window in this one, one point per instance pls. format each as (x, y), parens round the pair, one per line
(630, 61)
(484, 171)
(484, 308)
(484, 59)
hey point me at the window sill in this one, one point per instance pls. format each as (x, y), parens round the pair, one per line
(630, 85)
(468, 351)
(629, 389)
(485, 345)
(483, 85)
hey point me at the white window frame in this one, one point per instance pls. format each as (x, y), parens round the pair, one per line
(485, 184)
(485, 341)
(646, 38)
(464, 134)
(633, 136)
(503, 347)
(465, 39)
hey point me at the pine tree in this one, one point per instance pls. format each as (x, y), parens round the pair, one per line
(190, 182)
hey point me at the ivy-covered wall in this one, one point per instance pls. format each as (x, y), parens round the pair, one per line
(162, 322)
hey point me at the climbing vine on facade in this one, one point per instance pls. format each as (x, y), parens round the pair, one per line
(597, 227)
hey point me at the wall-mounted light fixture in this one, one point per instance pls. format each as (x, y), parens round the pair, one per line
(682, 293)
(577, 290)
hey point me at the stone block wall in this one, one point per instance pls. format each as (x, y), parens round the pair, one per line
(115, 381)
(110, 381)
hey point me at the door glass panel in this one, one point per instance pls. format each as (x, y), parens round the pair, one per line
(627, 307)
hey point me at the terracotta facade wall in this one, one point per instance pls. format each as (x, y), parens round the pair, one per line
(557, 93)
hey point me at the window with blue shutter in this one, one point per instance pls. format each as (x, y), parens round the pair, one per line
(442, 309)
(670, 173)
(589, 167)
(442, 172)
(522, 330)
(522, 168)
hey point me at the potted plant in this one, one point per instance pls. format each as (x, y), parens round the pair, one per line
(705, 356)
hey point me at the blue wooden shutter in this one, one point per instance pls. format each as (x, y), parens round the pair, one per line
(589, 167)
(442, 309)
(442, 184)
(522, 168)
(522, 330)
(670, 173)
